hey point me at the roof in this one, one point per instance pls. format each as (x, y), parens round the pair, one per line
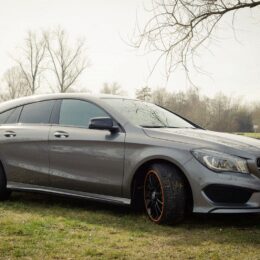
(34, 98)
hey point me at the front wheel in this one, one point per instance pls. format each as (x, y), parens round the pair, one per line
(164, 194)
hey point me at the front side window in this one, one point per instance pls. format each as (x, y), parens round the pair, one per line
(37, 113)
(78, 113)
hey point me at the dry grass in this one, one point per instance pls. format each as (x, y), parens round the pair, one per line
(253, 135)
(45, 227)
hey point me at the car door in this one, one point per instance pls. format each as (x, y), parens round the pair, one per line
(24, 144)
(83, 159)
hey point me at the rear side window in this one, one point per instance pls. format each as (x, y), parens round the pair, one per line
(11, 116)
(4, 116)
(14, 116)
(78, 112)
(37, 113)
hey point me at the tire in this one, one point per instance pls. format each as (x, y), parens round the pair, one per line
(4, 192)
(165, 195)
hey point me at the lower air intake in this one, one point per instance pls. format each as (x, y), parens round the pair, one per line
(227, 194)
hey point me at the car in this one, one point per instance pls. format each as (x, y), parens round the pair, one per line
(128, 152)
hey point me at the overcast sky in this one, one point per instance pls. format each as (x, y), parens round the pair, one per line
(233, 65)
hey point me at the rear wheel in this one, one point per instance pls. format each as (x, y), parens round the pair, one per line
(164, 194)
(4, 192)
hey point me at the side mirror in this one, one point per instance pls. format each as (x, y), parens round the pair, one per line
(103, 123)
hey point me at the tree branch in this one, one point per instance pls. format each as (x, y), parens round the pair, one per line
(178, 28)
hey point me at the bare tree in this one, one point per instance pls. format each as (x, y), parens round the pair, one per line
(144, 93)
(15, 84)
(160, 96)
(256, 116)
(31, 61)
(68, 63)
(113, 88)
(219, 113)
(177, 28)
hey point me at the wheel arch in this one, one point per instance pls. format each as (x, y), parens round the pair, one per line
(2, 167)
(139, 176)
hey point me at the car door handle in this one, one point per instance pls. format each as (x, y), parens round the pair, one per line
(61, 134)
(9, 134)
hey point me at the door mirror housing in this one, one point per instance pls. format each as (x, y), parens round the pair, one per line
(103, 123)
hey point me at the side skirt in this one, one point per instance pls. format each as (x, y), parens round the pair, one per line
(68, 193)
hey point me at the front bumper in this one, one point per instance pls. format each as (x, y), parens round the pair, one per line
(200, 178)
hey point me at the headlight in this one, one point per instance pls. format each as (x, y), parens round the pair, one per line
(220, 162)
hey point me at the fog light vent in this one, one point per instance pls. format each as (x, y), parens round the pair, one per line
(227, 194)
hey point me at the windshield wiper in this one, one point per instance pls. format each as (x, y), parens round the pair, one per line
(153, 126)
(162, 126)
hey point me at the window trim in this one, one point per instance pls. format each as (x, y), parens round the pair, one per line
(55, 113)
(58, 107)
(54, 119)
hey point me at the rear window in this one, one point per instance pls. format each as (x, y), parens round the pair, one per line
(37, 113)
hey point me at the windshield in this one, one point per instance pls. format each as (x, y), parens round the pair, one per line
(146, 114)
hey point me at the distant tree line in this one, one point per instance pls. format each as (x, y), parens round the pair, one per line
(112, 88)
(220, 113)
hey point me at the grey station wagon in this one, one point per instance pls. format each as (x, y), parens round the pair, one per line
(125, 151)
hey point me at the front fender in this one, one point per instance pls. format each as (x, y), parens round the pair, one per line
(138, 154)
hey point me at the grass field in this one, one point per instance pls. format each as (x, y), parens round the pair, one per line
(253, 135)
(45, 227)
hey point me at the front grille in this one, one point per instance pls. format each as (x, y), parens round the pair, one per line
(227, 194)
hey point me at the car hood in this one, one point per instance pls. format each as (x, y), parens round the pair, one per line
(231, 143)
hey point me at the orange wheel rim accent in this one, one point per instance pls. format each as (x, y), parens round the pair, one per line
(153, 196)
